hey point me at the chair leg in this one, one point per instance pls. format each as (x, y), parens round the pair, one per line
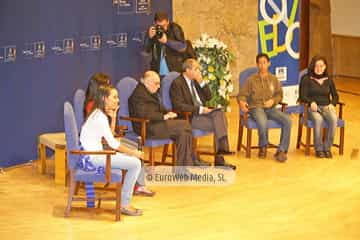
(299, 135)
(42, 157)
(341, 145)
(215, 151)
(71, 191)
(165, 152)
(118, 202)
(151, 156)
(214, 144)
(123, 172)
(248, 143)
(194, 147)
(307, 144)
(77, 187)
(240, 135)
(173, 154)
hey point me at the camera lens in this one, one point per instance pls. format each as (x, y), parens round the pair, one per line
(159, 31)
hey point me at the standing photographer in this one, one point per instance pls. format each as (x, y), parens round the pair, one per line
(166, 43)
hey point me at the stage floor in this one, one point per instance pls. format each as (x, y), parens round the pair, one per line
(305, 198)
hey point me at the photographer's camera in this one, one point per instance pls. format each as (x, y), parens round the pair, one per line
(159, 31)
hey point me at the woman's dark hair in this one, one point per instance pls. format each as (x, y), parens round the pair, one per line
(99, 99)
(311, 68)
(96, 80)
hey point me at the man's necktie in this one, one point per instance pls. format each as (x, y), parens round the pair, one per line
(195, 100)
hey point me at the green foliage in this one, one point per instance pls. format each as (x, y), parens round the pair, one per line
(214, 58)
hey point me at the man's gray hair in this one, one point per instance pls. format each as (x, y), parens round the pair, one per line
(149, 76)
(188, 64)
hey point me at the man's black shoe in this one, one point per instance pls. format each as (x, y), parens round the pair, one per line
(226, 165)
(220, 162)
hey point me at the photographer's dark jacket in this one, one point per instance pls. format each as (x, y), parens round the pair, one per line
(174, 49)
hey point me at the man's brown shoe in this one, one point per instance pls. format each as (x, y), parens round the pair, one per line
(280, 156)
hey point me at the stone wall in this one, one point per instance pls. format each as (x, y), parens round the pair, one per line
(232, 21)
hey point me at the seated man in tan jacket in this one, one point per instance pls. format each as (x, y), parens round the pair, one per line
(259, 96)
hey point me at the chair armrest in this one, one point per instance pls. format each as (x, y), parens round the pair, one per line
(341, 105)
(143, 123)
(82, 152)
(283, 106)
(120, 130)
(134, 119)
(187, 115)
(305, 111)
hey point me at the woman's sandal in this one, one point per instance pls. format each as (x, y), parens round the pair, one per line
(129, 212)
(144, 192)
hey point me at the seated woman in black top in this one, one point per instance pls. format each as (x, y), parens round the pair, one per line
(319, 91)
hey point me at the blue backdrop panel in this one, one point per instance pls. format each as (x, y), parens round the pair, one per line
(48, 49)
(279, 37)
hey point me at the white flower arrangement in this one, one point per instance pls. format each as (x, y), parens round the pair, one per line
(214, 58)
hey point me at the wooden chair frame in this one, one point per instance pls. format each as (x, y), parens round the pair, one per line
(74, 185)
(307, 144)
(248, 147)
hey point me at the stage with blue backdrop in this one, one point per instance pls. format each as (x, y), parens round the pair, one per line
(48, 49)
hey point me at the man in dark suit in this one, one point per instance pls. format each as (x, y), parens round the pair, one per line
(144, 103)
(189, 93)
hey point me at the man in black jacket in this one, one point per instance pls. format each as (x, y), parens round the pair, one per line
(144, 103)
(166, 43)
(189, 93)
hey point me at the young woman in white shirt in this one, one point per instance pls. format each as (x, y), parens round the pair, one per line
(96, 127)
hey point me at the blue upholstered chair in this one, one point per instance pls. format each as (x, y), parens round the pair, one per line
(304, 121)
(165, 96)
(78, 101)
(125, 88)
(246, 121)
(75, 156)
(297, 109)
